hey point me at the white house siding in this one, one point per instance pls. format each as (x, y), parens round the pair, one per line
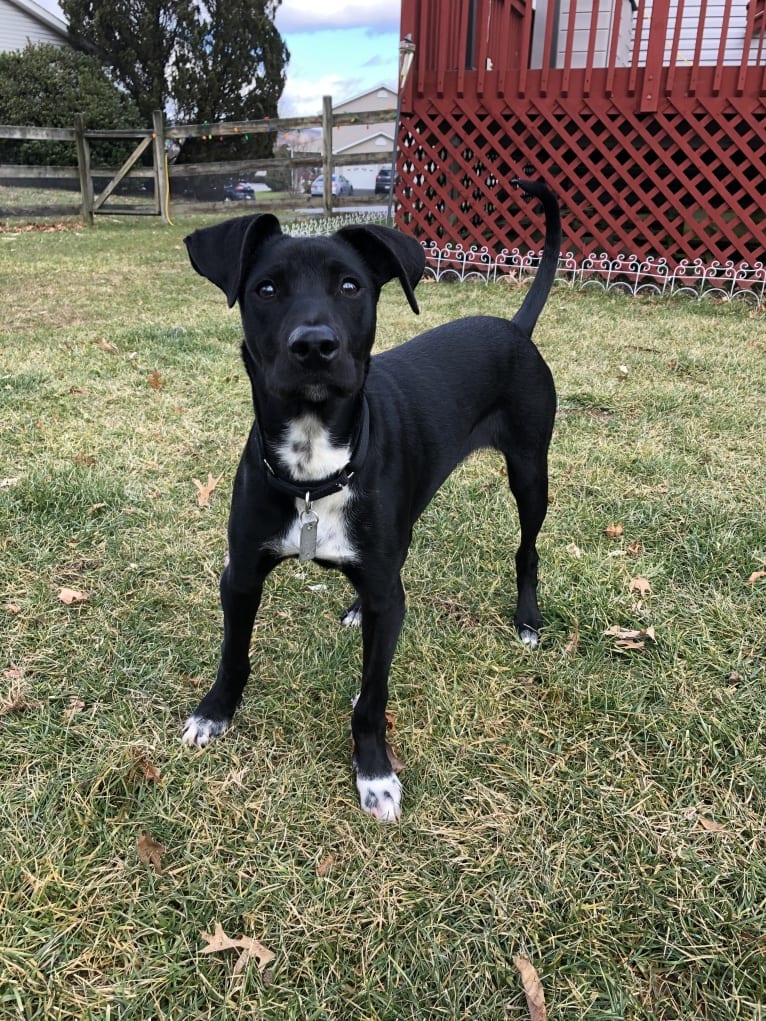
(381, 98)
(689, 12)
(607, 24)
(19, 25)
(364, 138)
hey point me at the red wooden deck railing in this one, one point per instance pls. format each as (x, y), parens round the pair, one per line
(650, 124)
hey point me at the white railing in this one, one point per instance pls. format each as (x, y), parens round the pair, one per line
(627, 274)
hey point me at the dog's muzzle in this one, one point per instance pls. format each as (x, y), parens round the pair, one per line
(313, 347)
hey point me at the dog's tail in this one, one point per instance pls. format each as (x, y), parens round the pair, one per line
(537, 294)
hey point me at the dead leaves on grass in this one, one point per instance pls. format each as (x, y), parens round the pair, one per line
(631, 639)
(155, 381)
(533, 989)
(640, 585)
(572, 646)
(144, 768)
(15, 698)
(249, 948)
(325, 867)
(204, 491)
(150, 852)
(71, 596)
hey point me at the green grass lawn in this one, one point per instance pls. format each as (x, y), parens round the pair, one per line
(594, 808)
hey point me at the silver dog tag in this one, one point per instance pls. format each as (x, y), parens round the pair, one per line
(307, 548)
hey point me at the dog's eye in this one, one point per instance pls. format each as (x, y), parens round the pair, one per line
(266, 290)
(349, 287)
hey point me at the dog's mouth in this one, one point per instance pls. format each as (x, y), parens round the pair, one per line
(338, 381)
(316, 393)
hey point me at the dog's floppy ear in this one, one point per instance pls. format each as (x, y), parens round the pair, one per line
(222, 253)
(388, 254)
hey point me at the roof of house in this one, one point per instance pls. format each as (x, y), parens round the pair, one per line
(368, 92)
(363, 144)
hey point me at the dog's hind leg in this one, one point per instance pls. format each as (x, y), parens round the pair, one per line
(214, 713)
(528, 480)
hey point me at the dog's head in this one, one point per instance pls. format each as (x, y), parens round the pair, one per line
(308, 305)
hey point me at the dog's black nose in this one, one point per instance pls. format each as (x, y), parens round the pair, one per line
(313, 343)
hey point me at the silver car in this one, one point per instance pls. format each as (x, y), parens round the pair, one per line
(340, 186)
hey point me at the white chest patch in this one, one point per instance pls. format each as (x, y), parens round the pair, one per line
(308, 454)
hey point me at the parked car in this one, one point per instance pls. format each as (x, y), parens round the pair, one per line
(383, 181)
(340, 186)
(239, 192)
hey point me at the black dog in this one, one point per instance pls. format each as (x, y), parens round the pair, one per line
(347, 450)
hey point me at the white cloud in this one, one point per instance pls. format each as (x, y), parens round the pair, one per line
(314, 15)
(303, 96)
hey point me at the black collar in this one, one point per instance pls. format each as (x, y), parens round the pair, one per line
(316, 489)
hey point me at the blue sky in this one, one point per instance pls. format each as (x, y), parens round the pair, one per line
(337, 49)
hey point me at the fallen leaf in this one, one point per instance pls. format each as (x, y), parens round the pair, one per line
(218, 941)
(710, 825)
(204, 491)
(147, 769)
(155, 380)
(150, 852)
(633, 549)
(640, 585)
(574, 550)
(756, 576)
(13, 608)
(614, 531)
(324, 868)
(70, 596)
(622, 371)
(533, 989)
(105, 345)
(615, 631)
(570, 649)
(630, 639)
(16, 700)
(393, 759)
(73, 708)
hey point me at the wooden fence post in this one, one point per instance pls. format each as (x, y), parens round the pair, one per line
(161, 179)
(83, 166)
(327, 153)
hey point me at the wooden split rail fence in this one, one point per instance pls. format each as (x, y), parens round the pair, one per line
(154, 140)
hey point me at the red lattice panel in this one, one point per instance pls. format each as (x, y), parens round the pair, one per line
(686, 182)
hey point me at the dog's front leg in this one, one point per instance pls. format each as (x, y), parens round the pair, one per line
(379, 789)
(213, 715)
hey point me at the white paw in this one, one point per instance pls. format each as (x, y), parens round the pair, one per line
(381, 797)
(199, 731)
(529, 637)
(352, 617)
